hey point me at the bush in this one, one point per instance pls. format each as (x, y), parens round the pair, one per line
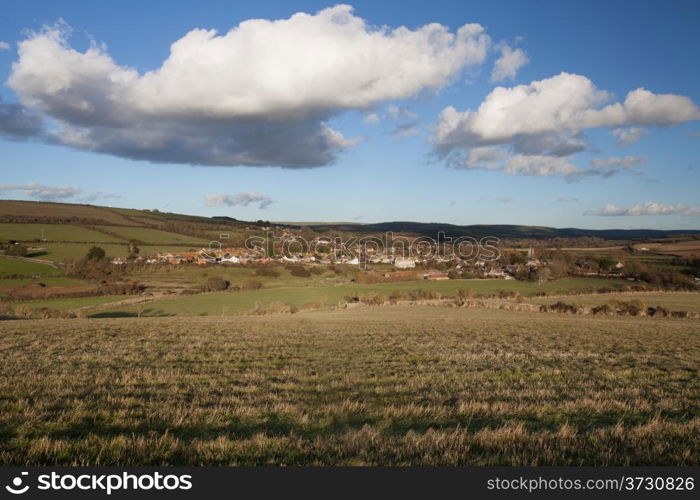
(299, 271)
(96, 253)
(215, 284)
(372, 299)
(16, 250)
(267, 271)
(274, 308)
(251, 284)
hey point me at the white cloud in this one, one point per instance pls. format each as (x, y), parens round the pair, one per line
(240, 199)
(371, 119)
(260, 94)
(560, 106)
(648, 208)
(42, 192)
(626, 162)
(4, 45)
(566, 200)
(497, 159)
(627, 136)
(508, 64)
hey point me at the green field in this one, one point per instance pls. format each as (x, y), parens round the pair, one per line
(367, 386)
(73, 303)
(60, 252)
(154, 236)
(10, 266)
(230, 302)
(53, 232)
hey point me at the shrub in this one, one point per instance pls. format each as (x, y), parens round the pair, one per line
(372, 299)
(299, 271)
(215, 284)
(274, 308)
(96, 253)
(266, 271)
(251, 284)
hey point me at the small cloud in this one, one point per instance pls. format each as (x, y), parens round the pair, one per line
(399, 113)
(98, 195)
(4, 45)
(506, 67)
(453, 203)
(626, 162)
(42, 192)
(648, 208)
(566, 200)
(507, 199)
(405, 130)
(627, 136)
(240, 199)
(371, 119)
(358, 217)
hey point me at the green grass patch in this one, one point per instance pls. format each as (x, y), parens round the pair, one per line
(155, 236)
(53, 232)
(73, 303)
(15, 266)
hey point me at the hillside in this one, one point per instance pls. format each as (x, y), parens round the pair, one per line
(67, 213)
(500, 230)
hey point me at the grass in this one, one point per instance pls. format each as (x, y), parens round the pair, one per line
(384, 386)
(226, 303)
(15, 266)
(60, 252)
(72, 303)
(48, 209)
(48, 281)
(53, 232)
(153, 236)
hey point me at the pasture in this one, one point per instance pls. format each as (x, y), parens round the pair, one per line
(330, 294)
(53, 232)
(364, 386)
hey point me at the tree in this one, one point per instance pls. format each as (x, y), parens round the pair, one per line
(96, 253)
(133, 247)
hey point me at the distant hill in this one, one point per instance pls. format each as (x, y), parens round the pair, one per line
(500, 230)
(94, 214)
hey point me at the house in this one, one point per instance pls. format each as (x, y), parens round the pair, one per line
(404, 263)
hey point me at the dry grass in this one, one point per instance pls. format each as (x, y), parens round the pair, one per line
(390, 385)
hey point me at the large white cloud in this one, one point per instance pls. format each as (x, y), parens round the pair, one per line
(261, 94)
(561, 107)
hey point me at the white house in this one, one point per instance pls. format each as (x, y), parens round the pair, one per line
(404, 263)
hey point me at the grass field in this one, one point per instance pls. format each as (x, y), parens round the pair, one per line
(73, 303)
(42, 209)
(154, 236)
(226, 303)
(386, 386)
(10, 266)
(53, 232)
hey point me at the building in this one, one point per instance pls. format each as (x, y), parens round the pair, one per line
(404, 263)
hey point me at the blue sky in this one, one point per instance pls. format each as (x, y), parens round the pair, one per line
(475, 171)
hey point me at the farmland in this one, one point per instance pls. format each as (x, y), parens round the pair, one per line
(391, 385)
(226, 303)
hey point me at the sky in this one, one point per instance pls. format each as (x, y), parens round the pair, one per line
(564, 114)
